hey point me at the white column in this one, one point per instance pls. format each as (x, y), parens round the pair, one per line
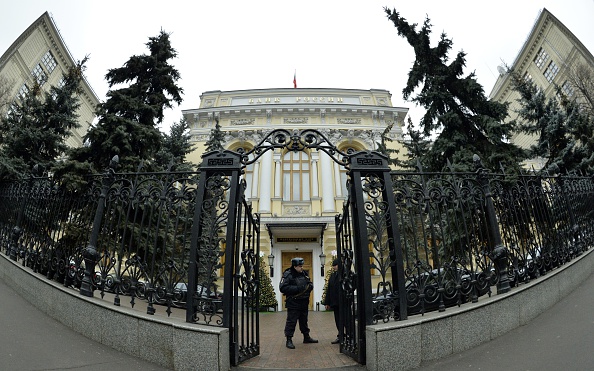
(337, 180)
(266, 172)
(314, 174)
(255, 179)
(327, 192)
(278, 170)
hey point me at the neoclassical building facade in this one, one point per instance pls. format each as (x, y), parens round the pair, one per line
(40, 55)
(549, 54)
(297, 194)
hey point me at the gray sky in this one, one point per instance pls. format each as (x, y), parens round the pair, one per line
(238, 44)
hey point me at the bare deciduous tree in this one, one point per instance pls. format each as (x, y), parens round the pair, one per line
(5, 96)
(581, 78)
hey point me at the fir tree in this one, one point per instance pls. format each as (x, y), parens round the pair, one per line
(326, 279)
(267, 295)
(36, 129)
(216, 139)
(176, 146)
(416, 144)
(384, 148)
(128, 120)
(456, 107)
(564, 131)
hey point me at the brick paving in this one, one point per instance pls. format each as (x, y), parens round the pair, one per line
(274, 355)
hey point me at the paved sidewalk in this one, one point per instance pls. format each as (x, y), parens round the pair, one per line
(559, 339)
(31, 340)
(562, 338)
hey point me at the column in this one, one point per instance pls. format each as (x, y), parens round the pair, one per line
(255, 180)
(337, 182)
(278, 170)
(328, 204)
(314, 174)
(266, 172)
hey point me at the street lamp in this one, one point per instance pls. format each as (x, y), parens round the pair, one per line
(271, 263)
(323, 261)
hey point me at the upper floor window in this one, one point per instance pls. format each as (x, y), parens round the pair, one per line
(296, 176)
(567, 89)
(23, 91)
(39, 74)
(551, 71)
(541, 58)
(49, 62)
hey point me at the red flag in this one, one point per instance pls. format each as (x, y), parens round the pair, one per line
(295, 79)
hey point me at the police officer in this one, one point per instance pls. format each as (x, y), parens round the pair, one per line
(296, 286)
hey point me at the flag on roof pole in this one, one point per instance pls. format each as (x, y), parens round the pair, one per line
(295, 79)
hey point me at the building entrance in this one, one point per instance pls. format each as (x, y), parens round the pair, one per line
(307, 257)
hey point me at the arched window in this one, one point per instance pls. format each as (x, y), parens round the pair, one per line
(296, 176)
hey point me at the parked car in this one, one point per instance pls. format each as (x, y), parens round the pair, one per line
(432, 290)
(207, 298)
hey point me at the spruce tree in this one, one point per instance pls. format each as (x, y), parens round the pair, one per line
(563, 130)
(36, 128)
(267, 295)
(216, 139)
(384, 148)
(176, 146)
(416, 144)
(465, 121)
(128, 120)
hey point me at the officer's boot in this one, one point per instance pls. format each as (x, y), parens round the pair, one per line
(290, 344)
(308, 339)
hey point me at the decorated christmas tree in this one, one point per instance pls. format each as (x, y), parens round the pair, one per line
(328, 273)
(267, 294)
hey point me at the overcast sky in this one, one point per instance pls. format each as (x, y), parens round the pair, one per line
(239, 44)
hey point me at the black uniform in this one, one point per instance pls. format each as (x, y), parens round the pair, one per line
(296, 287)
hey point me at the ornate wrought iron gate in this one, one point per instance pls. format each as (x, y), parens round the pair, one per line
(368, 238)
(367, 228)
(225, 230)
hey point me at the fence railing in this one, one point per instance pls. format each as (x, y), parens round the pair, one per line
(460, 234)
(463, 233)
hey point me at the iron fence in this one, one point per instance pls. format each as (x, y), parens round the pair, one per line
(460, 235)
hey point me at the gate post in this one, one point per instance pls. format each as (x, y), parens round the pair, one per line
(499, 254)
(210, 191)
(371, 181)
(90, 254)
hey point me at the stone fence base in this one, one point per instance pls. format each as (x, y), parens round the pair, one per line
(171, 343)
(406, 345)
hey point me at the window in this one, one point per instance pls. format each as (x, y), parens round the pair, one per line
(296, 176)
(39, 74)
(567, 89)
(551, 71)
(49, 62)
(529, 80)
(541, 58)
(23, 91)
